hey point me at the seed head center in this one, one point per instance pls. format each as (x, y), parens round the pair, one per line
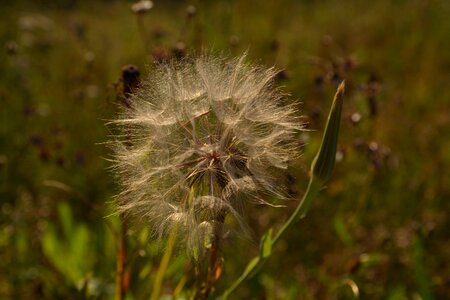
(211, 152)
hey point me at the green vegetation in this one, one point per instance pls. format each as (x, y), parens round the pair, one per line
(379, 230)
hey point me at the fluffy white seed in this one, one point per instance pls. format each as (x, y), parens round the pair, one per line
(201, 139)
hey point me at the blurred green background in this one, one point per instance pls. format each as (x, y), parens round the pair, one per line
(380, 228)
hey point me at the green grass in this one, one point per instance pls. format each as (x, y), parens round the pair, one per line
(382, 222)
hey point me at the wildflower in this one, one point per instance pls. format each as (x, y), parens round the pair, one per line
(201, 139)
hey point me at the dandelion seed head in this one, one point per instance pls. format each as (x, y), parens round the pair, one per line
(202, 138)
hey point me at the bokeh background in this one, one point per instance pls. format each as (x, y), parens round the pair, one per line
(381, 227)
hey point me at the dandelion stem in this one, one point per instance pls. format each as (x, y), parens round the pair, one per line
(214, 259)
(214, 265)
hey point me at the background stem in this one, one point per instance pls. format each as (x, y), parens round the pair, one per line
(121, 282)
(157, 284)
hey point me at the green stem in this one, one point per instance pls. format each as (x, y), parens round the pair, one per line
(121, 284)
(311, 192)
(321, 171)
(300, 212)
(157, 284)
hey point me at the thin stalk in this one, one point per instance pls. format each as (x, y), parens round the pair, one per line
(130, 80)
(157, 284)
(142, 32)
(121, 280)
(215, 261)
(311, 192)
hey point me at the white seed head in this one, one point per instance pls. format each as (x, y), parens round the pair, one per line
(202, 138)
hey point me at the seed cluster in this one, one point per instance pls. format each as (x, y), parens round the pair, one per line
(201, 138)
